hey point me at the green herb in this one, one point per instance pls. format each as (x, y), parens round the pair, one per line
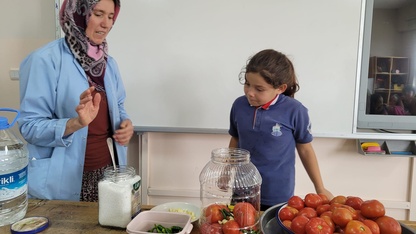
(225, 213)
(161, 229)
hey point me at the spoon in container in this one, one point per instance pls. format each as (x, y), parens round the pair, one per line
(111, 148)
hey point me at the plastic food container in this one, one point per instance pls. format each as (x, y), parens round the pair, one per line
(146, 220)
(180, 207)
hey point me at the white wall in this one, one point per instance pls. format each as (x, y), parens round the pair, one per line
(172, 163)
(24, 26)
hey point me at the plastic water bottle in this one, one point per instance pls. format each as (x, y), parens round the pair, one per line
(13, 173)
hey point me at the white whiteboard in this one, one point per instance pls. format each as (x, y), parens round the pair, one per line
(180, 59)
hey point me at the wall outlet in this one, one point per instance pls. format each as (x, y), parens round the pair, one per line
(14, 73)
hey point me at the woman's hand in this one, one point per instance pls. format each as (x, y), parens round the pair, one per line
(124, 134)
(88, 106)
(87, 111)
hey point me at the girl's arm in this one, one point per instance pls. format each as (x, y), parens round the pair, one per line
(233, 142)
(310, 163)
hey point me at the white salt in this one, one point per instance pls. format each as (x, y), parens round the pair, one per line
(118, 201)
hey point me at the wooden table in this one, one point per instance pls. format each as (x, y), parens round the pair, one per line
(68, 217)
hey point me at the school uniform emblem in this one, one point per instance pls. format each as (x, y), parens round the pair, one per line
(276, 130)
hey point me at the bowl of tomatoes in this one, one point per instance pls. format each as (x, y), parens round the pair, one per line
(315, 213)
(284, 223)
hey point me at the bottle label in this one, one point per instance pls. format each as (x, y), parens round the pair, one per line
(136, 199)
(13, 184)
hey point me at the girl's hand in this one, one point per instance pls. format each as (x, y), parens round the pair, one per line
(326, 192)
(124, 134)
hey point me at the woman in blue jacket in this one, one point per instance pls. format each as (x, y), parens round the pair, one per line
(72, 100)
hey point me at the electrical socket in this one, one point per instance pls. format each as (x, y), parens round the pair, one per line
(14, 73)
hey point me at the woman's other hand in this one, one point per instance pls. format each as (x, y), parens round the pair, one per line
(124, 134)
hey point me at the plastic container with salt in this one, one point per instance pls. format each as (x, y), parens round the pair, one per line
(119, 197)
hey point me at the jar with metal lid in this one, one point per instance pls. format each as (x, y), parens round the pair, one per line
(230, 192)
(13, 173)
(119, 196)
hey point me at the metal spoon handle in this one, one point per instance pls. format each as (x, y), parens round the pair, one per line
(111, 148)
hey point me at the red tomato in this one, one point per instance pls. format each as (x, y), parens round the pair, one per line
(356, 227)
(308, 212)
(313, 200)
(298, 224)
(322, 208)
(352, 210)
(335, 205)
(296, 202)
(354, 202)
(244, 214)
(372, 225)
(287, 224)
(338, 199)
(359, 217)
(207, 228)
(325, 199)
(341, 216)
(231, 227)
(372, 209)
(326, 213)
(388, 225)
(329, 221)
(317, 226)
(213, 213)
(288, 213)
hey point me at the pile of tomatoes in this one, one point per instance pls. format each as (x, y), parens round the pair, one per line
(315, 213)
(226, 219)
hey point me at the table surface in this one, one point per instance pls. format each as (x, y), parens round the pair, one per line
(69, 217)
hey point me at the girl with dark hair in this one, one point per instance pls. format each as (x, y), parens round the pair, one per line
(271, 124)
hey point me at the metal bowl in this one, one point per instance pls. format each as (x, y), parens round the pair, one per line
(269, 223)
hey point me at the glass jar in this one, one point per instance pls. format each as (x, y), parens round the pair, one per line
(230, 190)
(13, 173)
(119, 196)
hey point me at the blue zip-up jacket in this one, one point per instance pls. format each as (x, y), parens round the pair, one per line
(51, 82)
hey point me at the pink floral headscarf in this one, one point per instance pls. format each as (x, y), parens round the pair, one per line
(74, 17)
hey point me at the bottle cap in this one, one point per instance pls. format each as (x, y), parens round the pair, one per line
(30, 225)
(3, 123)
